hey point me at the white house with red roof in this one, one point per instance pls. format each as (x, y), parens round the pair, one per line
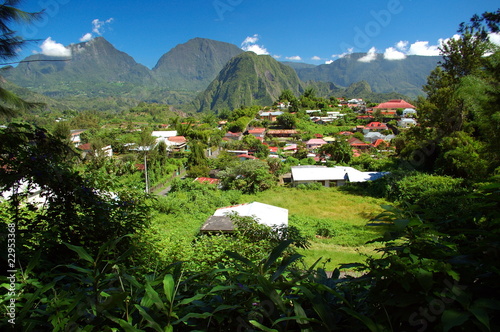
(233, 136)
(315, 143)
(245, 156)
(394, 104)
(258, 133)
(375, 126)
(75, 136)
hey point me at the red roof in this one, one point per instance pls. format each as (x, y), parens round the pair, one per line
(395, 103)
(257, 131)
(376, 125)
(283, 131)
(246, 156)
(378, 142)
(207, 180)
(85, 147)
(273, 149)
(177, 139)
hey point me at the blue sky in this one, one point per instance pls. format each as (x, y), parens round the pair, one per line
(314, 31)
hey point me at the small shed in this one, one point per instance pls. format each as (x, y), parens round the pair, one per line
(264, 213)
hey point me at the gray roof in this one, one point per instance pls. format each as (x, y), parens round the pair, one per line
(218, 224)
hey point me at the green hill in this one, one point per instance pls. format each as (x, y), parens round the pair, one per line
(95, 69)
(248, 79)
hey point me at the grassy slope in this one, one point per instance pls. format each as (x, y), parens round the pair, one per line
(343, 216)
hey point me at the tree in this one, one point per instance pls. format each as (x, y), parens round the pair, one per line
(339, 151)
(287, 96)
(77, 209)
(287, 121)
(455, 103)
(10, 44)
(249, 176)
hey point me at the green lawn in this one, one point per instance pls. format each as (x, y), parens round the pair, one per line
(334, 220)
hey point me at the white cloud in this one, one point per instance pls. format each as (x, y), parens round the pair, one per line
(98, 25)
(402, 45)
(495, 38)
(277, 56)
(370, 56)
(393, 54)
(250, 45)
(98, 28)
(423, 48)
(86, 37)
(294, 58)
(251, 39)
(348, 52)
(256, 49)
(328, 62)
(315, 58)
(52, 48)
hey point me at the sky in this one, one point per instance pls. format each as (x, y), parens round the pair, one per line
(313, 31)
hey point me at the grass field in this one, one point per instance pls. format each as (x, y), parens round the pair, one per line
(334, 220)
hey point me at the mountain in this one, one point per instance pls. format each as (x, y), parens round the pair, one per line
(248, 79)
(194, 64)
(405, 76)
(94, 69)
(98, 76)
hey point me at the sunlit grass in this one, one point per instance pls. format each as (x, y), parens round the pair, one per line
(340, 216)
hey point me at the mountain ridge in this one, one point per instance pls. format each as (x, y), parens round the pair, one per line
(181, 76)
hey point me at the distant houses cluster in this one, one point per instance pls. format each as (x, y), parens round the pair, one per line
(375, 130)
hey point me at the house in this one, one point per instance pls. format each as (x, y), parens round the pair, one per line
(171, 140)
(380, 143)
(394, 104)
(233, 136)
(257, 133)
(373, 136)
(87, 148)
(75, 136)
(375, 126)
(264, 214)
(353, 175)
(407, 122)
(176, 143)
(282, 132)
(313, 112)
(358, 144)
(273, 151)
(315, 143)
(331, 176)
(271, 116)
(244, 157)
(162, 135)
(327, 176)
(290, 148)
(409, 112)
